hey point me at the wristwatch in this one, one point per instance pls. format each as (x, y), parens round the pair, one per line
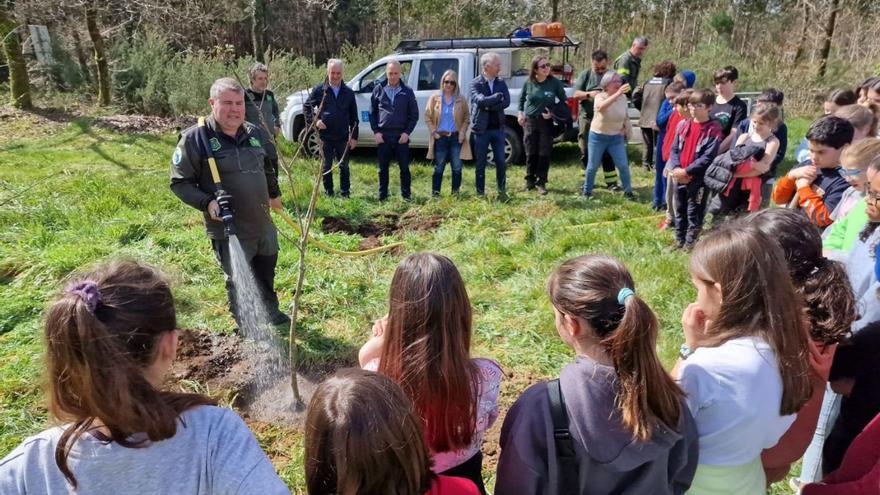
(684, 351)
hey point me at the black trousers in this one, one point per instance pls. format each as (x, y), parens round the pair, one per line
(262, 255)
(649, 136)
(333, 151)
(538, 138)
(690, 211)
(471, 469)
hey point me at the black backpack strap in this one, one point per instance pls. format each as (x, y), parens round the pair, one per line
(566, 457)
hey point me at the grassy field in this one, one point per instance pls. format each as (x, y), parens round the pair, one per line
(74, 194)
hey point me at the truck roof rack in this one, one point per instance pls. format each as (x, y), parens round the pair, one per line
(417, 45)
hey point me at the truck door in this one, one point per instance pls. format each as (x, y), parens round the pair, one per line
(428, 80)
(367, 82)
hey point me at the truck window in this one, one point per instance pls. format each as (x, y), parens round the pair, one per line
(377, 76)
(431, 70)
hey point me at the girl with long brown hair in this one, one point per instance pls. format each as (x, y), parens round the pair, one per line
(363, 437)
(744, 364)
(423, 344)
(110, 339)
(629, 428)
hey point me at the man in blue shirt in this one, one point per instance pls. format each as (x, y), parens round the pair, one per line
(488, 99)
(337, 124)
(394, 113)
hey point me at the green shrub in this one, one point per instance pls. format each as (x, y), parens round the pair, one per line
(142, 65)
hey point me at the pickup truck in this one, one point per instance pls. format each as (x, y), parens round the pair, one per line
(423, 64)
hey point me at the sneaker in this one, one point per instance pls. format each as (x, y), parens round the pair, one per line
(795, 484)
(529, 186)
(613, 187)
(630, 196)
(587, 196)
(345, 195)
(503, 197)
(688, 247)
(542, 190)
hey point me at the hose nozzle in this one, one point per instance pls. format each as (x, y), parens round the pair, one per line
(224, 201)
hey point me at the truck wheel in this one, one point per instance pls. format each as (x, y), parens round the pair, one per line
(513, 147)
(312, 143)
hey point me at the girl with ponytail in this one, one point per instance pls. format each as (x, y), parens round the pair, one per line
(628, 423)
(828, 307)
(744, 364)
(110, 339)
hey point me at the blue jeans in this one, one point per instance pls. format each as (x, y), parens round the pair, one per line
(446, 149)
(615, 145)
(811, 469)
(482, 140)
(390, 148)
(659, 199)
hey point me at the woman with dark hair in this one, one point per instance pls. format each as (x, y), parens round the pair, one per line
(541, 92)
(829, 309)
(649, 98)
(838, 98)
(363, 437)
(110, 339)
(628, 427)
(423, 344)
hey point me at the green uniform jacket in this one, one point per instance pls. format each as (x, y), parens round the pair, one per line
(536, 97)
(245, 173)
(265, 103)
(587, 81)
(628, 67)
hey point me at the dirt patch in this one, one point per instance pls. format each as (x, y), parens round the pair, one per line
(380, 224)
(212, 360)
(143, 124)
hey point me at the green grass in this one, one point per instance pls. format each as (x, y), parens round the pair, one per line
(76, 195)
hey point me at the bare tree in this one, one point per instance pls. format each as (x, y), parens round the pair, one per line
(19, 85)
(829, 34)
(100, 54)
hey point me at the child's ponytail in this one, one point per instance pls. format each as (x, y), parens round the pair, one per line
(599, 290)
(101, 335)
(646, 392)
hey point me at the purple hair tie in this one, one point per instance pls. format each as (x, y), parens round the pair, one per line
(86, 290)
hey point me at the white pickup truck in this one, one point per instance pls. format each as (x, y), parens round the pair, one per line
(423, 64)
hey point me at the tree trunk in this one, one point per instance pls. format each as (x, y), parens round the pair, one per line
(81, 56)
(829, 34)
(19, 84)
(257, 20)
(805, 23)
(554, 10)
(100, 55)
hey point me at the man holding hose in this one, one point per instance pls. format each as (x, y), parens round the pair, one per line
(245, 177)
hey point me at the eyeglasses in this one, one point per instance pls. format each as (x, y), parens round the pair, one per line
(449, 82)
(872, 198)
(544, 66)
(849, 172)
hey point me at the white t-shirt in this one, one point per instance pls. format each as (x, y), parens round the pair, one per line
(734, 392)
(212, 453)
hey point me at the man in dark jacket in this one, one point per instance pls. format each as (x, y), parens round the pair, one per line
(248, 177)
(337, 124)
(629, 63)
(489, 97)
(394, 113)
(261, 108)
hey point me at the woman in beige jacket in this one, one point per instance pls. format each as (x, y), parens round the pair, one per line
(447, 117)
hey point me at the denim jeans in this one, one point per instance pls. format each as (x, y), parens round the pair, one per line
(659, 199)
(615, 145)
(446, 149)
(482, 140)
(389, 149)
(333, 151)
(811, 468)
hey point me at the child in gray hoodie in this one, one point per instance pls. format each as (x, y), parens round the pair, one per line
(629, 426)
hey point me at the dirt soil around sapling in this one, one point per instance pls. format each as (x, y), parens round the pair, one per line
(381, 224)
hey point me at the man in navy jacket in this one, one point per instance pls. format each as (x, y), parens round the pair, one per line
(337, 124)
(489, 97)
(394, 113)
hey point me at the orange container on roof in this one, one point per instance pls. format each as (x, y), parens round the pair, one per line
(539, 30)
(555, 31)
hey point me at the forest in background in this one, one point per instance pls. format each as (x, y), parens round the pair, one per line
(156, 57)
